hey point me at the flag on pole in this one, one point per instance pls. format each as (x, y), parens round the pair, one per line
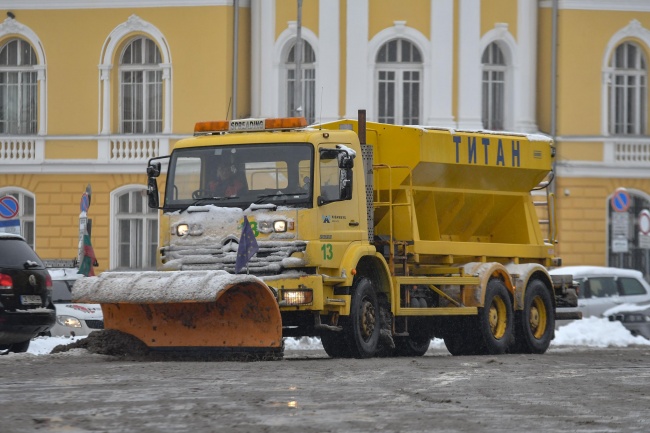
(247, 246)
(88, 258)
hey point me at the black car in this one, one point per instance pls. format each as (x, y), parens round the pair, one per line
(26, 308)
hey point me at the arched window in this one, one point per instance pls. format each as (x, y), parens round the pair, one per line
(494, 87)
(136, 231)
(308, 82)
(399, 77)
(628, 93)
(141, 88)
(18, 88)
(25, 212)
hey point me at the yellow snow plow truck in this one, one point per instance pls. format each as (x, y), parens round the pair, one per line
(374, 237)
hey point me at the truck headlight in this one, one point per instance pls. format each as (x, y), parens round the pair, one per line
(297, 297)
(182, 229)
(279, 226)
(69, 321)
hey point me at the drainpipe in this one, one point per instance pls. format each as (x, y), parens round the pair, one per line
(554, 39)
(235, 56)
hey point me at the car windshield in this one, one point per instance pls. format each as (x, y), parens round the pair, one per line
(14, 253)
(237, 176)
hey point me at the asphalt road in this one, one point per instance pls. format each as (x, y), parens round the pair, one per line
(564, 390)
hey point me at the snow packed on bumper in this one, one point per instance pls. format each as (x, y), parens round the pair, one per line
(215, 248)
(156, 287)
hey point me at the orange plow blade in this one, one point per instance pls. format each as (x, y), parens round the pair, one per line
(229, 314)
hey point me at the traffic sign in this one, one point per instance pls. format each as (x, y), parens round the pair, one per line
(8, 207)
(644, 221)
(10, 226)
(620, 200)
(85, 202)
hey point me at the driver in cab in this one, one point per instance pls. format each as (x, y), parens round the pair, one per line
(226, 184)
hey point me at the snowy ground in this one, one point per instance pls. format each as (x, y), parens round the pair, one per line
(589, 332)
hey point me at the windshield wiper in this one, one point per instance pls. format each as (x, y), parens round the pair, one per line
(282, 197)
(209, 199)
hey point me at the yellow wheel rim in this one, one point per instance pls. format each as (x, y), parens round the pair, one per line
(498, 317)
(538, 317)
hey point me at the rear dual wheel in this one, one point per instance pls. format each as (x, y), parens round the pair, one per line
(487, 333)
(535, 323)
(496, 319)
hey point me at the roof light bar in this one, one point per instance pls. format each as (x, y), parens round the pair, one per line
(248, 125)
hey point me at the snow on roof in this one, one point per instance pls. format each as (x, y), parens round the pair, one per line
(592, 271)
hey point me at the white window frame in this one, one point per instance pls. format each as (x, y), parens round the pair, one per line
(139, 254)
(13, 29)
(26, 91)
(400, 69)
(634, 114)
(517, 92)
(309, 74)
(26, 219)
(149, 114)
(634, 31)
(369, 53)
(278, 94)
(134, 26)
(494, 88)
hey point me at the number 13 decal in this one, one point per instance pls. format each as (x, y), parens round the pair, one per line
(328, 252)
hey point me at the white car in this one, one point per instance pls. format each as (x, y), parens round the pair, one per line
(72, 319)
(602, 288)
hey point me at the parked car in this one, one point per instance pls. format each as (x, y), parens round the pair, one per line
(602, 288)
(26, 308)
(72, 319)
(635, 317)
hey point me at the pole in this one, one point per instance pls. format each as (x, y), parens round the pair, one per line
(297, 101)
(235, 55)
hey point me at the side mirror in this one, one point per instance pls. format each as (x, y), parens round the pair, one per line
(153, 170)
(152, 193)
(345, 161)
(346, 183)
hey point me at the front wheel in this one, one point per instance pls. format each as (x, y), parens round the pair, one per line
(363, 328)
(495, 319)
(335, 344)
(534, 325)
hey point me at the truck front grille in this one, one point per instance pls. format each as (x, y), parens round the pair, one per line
(271, 258)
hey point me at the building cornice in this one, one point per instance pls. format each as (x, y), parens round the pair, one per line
(112, 4)
(600, 5)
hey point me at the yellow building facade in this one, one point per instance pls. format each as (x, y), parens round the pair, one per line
(90, 90)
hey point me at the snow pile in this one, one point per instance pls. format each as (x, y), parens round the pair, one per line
(596, 332)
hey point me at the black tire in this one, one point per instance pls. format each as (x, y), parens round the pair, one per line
(535, 324)
(418, 341)
(496, 319)
(408, 346)
(362, 331)
(335, 344)
(462, 338)
(20, 347)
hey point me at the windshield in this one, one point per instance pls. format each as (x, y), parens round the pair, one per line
(237, 176)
